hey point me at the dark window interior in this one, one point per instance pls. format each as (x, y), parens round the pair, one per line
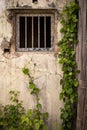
(29, 32)
(48, 32)
(41, 32)
(22, 32)
(35, 31)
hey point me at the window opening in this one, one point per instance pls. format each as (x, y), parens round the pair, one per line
(34, 32)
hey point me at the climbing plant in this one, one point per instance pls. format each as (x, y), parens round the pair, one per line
(69, 81)
(35, 119)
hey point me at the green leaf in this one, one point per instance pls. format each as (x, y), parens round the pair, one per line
(65, 115)
(76, 83)
(77, 71)
(32, 86)
(70, 91)
(39, 106)
(25, 71)
(44, 127)
(70, 73)
(30, 113)
(45, 115)
(37, 126)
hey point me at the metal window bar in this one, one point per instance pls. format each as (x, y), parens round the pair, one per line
(17, 32)
(52, 31)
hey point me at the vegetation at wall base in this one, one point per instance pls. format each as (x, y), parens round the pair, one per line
(69, 81)
(10, 114)
(13, 115)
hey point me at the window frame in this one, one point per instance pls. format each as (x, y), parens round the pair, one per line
(30, 11)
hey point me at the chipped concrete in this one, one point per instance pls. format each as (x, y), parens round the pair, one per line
(44, 66)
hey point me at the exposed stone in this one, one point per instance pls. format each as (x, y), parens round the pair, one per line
(52, 5)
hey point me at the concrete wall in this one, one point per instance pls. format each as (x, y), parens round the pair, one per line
(43, 66)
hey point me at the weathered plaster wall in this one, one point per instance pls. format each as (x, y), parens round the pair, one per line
(43, 66)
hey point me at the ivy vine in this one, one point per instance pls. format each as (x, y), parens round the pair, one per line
(34, 119)
(69, 81)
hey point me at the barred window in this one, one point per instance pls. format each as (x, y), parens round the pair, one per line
(34, 32)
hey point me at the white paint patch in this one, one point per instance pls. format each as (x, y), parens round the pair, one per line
(2, 5)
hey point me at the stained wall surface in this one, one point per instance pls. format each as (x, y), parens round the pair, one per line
(43, 66)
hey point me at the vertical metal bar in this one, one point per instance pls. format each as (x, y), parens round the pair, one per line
(32, 32)
(18, 32)
(38, 31)
(25, 32)
(45, 32)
